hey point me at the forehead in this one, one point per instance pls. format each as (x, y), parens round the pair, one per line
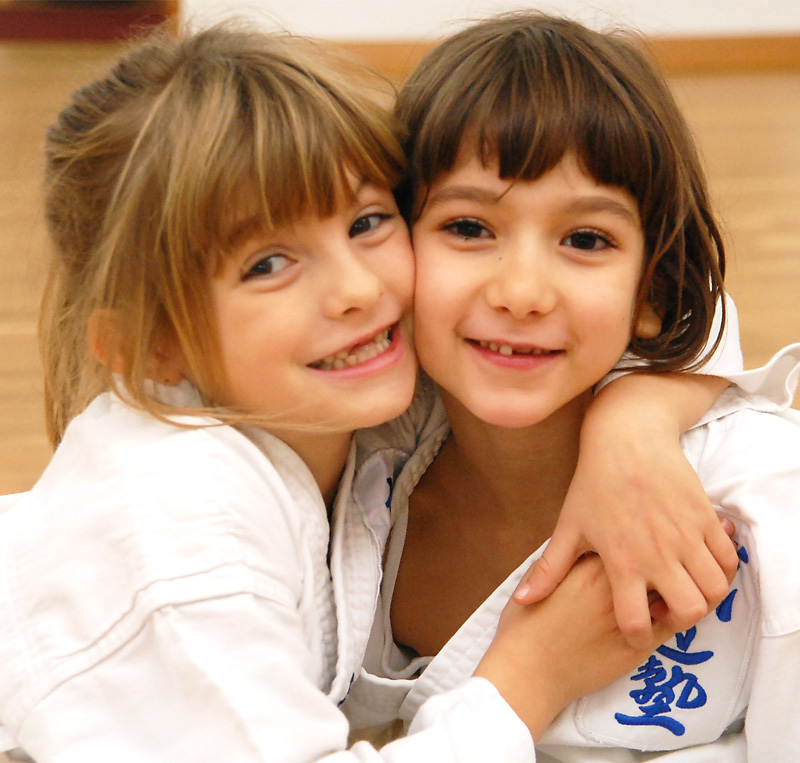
(472, 179)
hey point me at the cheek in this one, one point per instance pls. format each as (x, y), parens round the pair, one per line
(609, 312)
(405, 270)
(430, 292)
(395, 268)
(435, 320)
(425, 320)
(433, 274)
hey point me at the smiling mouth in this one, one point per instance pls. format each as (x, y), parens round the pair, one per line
(508, 350)
(359, 353)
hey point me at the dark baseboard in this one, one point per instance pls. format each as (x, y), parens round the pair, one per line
(92, 20)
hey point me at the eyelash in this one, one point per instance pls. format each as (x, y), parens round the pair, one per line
(252, 272)
(381, 217)
(453, 228)
(607, 240)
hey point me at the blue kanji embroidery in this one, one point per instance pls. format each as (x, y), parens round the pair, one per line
(725, 609)
(665, 689)
(660, 691)
(682, 655)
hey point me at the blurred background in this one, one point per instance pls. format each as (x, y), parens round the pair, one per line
(734, 66)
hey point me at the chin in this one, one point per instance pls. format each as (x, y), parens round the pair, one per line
(382, 411)
(376, 416)
(514, 420)
(509, 417)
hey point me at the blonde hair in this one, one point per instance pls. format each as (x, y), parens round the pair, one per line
(527, 88)
(150, 169)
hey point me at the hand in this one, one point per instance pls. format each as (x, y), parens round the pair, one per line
(637, 502)
(548, 654)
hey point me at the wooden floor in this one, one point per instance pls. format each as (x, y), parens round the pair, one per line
(746, 125)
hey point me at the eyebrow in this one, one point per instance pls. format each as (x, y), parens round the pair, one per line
(605, 204)
(463, 193)
(583, 204)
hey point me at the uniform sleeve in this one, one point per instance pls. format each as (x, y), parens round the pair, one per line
(771, 726)
(183, 624)
(452, 728)
(233, 679)
(749, 463)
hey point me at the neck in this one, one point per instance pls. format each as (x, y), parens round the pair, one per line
(509, 465)
(324, 455)
(491, 497)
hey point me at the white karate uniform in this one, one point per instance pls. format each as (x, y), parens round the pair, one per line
(166, 596)
(722, 691)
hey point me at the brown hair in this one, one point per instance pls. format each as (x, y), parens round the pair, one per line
(527, 88)
(150, 169)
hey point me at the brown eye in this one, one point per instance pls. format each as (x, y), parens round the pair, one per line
(468, 229)
(366, 224)
(268, 266)
(587, 241)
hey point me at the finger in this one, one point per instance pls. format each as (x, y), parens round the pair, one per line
(659, 611)
(711, 580)
(662, 631)
(632, 610)
(723, 548)
(686, 603)
(728, 527)
(549, 570)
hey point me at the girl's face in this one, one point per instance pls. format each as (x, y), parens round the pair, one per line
(525, 291)
(312, 318)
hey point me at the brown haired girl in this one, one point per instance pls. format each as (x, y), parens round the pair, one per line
(560, 221)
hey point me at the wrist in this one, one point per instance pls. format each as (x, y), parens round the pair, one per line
(535, 700)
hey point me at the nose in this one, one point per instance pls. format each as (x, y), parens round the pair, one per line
(523, 281)
(349, 284)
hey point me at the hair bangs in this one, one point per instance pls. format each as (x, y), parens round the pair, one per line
(524, 107)
(264, 148)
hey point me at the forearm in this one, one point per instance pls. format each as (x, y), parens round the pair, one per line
(668, 403)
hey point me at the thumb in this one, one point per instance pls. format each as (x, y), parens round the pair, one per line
(550, 569)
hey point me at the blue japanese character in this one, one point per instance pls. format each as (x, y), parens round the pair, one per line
(682, 655)
(656, 698)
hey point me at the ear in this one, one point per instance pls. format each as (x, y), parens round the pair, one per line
(648, 323)
(165, 362)
(102, 335)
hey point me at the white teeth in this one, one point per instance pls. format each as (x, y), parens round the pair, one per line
(348, 358)
(507, 349)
